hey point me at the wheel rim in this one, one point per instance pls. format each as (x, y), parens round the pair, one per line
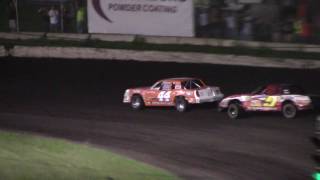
(180, 106)
(289, 111)
(136, 103)
(233, 111)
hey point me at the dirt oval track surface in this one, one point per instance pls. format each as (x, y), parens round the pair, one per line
(82, 101)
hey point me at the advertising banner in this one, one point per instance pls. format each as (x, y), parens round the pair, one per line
(141, 17)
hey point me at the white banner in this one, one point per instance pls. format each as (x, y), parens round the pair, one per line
(141, 17)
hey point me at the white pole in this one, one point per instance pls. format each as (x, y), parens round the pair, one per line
(17, 15)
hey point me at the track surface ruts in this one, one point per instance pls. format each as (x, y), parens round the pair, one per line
(82, 101)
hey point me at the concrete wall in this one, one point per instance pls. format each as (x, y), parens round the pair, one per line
(21, 36)
(165, 40)
(3, 51)
(157, 56)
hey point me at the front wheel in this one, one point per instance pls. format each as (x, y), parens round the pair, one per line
(289, 111)
(137, 102)
(181, 104)
(234, 111)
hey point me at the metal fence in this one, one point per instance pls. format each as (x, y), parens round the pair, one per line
(33, 15)
(257, 20)
(261, 20)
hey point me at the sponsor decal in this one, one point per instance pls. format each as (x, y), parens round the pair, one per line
(97, 7)
(143, 17)
(136, 7)
(164, 96)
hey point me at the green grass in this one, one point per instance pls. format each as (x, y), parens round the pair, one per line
(142, 46)
(28, 157)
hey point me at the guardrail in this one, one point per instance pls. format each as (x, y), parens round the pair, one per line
(164, 40)
(158, 56)
(3, 51)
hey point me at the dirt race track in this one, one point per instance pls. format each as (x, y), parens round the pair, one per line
(82, 101)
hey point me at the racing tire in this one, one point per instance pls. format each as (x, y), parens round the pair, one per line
(289, 110)
(181, 104)
(137, 102)
(234, 111)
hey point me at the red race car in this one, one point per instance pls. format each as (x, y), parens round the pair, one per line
(285, 98)
(178, 92)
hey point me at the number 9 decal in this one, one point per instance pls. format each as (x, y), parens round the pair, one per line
(270, 101)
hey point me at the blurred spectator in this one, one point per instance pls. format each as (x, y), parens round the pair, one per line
(203, 21)
(54, 19)
(288, 9)
(12, 17)
(302, 8)
(266, 17)
(302, 30)
(203, 18)
(68, 18)
(80, 19)
(231, 25)
(43, 12)
(215, 26)
(246, 26)
(287, 29)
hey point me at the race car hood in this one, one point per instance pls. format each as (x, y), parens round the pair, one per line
(138, 89)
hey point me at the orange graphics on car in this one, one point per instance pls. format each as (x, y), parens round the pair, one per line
(177, 92)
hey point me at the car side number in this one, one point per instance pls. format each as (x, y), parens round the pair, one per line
(164, 96)
(270, 101)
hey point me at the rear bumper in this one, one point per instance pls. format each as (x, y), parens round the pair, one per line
(210, 99)
(305, 107)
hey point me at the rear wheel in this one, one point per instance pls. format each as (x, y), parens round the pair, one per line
(181, 104)
(289, 110)
(234, 110)
(137, 102)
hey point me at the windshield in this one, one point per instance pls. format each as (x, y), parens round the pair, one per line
(156, 85)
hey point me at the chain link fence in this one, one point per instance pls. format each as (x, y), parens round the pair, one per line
(252, 20)
(33, 15)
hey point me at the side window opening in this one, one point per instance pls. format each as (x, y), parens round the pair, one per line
(177, 86)
(188, 85)
(183, 85)
(166, 86)
(258, 90)
(272, 90)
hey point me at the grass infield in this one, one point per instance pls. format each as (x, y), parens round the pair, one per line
(28, 157)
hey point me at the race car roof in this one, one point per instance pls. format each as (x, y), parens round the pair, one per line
(178, 79)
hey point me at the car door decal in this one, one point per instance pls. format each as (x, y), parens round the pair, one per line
(164, 96)
(256, 101)
(270, 101)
